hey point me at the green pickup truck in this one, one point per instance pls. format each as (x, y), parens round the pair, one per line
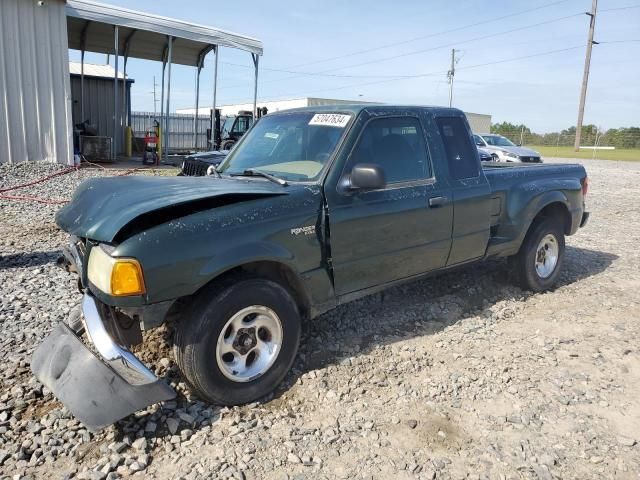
(313, 208)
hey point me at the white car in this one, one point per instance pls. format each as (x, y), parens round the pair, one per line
(505, 149)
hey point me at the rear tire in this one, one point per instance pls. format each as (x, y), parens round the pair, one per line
(214, 341)
(538, 264)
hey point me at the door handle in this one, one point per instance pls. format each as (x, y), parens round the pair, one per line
(435, 202)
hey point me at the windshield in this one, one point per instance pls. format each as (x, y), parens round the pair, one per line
(292, 146)
(498, 141)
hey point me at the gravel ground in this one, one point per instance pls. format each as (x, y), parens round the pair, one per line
(458, 376)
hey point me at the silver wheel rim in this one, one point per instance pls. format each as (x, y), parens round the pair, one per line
(249, 343)
(547, 256)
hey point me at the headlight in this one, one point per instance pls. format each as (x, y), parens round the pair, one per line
(115, 276)
(509, 154)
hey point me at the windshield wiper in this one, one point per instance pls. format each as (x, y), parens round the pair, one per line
(250, 172)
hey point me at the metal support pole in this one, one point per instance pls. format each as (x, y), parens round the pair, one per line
(585, 75)
(215, 88)
(256, 59)
(124, 92)
(164, 65)
(126, 121)
(82, 86)
(161, 122)
(195, 116)
(114, 151)
(83, 48)
(166, 113)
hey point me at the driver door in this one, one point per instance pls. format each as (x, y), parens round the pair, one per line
(384, 235)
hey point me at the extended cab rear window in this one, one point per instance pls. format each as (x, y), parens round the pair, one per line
(462, 155)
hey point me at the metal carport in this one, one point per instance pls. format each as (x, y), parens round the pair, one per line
(99, 28)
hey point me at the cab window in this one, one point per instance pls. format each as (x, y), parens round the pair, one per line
(462, 157)
(397, 145)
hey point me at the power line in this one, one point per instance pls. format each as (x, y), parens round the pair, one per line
(325, 73)
(628, 7)
(431, 35)
(310, 73)
(619, 41)
(475, 39)
(431, 74)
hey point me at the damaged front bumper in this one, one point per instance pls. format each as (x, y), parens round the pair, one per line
(101, 388)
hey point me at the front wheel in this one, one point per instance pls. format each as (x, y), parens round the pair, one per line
(238, 340)
(538, 264)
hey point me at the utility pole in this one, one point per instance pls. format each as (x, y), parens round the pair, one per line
(585, 75)
(154, 97)
(451, 73)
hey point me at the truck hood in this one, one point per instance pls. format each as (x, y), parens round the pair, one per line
(105, 209)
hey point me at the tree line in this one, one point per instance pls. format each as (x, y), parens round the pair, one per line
(625, 137)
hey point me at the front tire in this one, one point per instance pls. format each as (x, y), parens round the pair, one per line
(538, 264)
(238, 340)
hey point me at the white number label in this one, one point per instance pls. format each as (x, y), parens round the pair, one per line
(330, 120)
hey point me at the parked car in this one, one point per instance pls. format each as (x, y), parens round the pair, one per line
(197, 164)
(487, 156)
(313, 207)
(505, 149)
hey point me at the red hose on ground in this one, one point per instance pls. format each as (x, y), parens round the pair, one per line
(48, 177)
(40, 180)
(33, 199)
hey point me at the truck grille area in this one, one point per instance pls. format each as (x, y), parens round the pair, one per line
(530, 159)
(194, 168)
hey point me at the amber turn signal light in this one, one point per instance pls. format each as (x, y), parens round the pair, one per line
(126, 278)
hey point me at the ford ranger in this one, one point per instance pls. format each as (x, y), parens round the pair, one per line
(313, 208)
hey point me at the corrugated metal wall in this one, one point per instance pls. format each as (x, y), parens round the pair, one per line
(180, 129)
(35, 103)
(98, 105)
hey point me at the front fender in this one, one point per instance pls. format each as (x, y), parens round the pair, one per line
(237, 256)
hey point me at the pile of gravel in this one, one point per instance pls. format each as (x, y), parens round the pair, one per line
(458, 376)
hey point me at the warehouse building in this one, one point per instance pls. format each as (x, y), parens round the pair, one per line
(35, 107)
(38, 104)
(92, 100)
(479, 122)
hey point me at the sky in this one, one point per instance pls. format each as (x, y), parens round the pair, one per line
(525, 68)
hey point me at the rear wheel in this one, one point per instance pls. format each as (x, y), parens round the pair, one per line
(538, 264)
(238, 340)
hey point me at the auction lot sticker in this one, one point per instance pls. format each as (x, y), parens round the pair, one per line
(330, 119)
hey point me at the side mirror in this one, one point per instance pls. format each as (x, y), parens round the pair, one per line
(364, 176)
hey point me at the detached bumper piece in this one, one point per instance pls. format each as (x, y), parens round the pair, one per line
(98, 389)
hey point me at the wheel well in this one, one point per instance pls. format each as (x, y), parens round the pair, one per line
(559, 211)
(277, 272)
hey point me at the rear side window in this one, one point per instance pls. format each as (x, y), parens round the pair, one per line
(462, 155)
(397, 145)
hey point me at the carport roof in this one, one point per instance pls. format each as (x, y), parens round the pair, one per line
(144, 35)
